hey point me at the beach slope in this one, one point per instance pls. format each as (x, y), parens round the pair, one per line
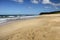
(44, 27)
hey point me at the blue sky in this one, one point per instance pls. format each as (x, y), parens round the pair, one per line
(28, 6)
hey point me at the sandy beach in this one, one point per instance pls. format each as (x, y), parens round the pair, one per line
(39, 28)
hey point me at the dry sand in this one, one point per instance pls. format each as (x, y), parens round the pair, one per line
(39, 28)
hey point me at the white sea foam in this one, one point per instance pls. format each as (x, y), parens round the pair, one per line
(4, 20)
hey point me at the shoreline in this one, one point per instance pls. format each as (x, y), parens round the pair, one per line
(42, 28)
(8, 21)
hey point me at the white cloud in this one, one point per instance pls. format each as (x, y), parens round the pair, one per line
(46, 2)
(35, 1)
(46, 7)
(20, 1)
(55, 4)
(49, 2)
(29, 7)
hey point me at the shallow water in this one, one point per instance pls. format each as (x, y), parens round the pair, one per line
(3, 20)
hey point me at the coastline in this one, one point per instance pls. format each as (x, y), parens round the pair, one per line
(8, 21)
(41, 27)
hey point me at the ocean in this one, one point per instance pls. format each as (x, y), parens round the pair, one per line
(4, 20)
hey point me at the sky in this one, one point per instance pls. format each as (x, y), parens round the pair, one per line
(28, 6)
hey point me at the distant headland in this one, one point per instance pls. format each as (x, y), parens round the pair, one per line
(54, 12)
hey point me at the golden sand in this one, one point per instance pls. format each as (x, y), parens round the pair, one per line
(39, 28)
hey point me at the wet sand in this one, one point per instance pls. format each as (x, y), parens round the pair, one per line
(39, 28)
